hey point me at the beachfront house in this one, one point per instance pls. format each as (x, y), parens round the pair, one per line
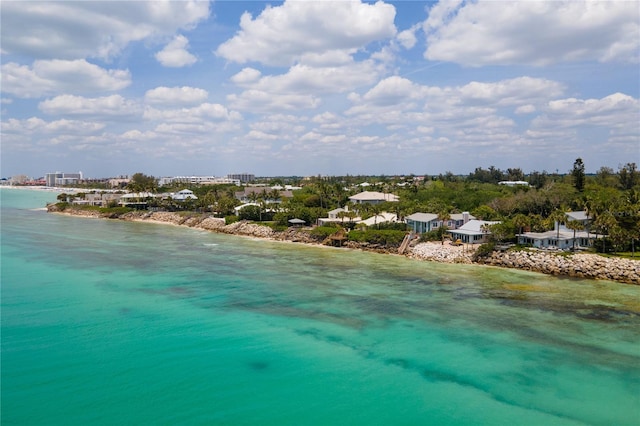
(421, 223)
(426, 222)
(473, 232)
(269, 195)
(379, 218)
(561, 237)
(373, 197)
(339, 215)
(183, 195)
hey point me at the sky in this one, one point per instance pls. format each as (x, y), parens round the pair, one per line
(317, 87)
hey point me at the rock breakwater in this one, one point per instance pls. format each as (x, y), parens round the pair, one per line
(575, 265)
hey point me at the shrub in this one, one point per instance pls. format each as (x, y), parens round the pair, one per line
(228, 220)
(484, 250)
(323, 231)
(384, 237)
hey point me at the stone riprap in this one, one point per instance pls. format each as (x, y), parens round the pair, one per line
(438, 252)
(574, 265)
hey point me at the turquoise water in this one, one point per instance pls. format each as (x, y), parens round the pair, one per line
(107, 322)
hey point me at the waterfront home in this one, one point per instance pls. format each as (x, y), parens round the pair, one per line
(426, 222)
(380, 218)
(561, 237)
(473, 232)
(338, 215)
(138, 199)
(100, 199)
(183, 195)
(251, 193)
(373, 197)
(422, 222)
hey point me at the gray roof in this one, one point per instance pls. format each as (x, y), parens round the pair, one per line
(422, 217)
(582, 215)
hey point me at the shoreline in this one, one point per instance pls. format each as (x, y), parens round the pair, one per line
(578, 265)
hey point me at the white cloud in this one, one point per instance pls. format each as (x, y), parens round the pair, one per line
(246, 76)
(261, 101)
(36, 125)
(617, 111)
(59, 76)
(528, 32)
(203, 112)
(285, 34)
(82, 29)
(107, 106)
(176, 96)
(407, 38)
(6, 101)
(175, 54)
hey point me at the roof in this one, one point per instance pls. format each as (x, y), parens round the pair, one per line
(460, 216)
(381, 218)
(473, 227)
(581, 215)
(555, 235)
(422, 217)
(373, 196)
(297, 221)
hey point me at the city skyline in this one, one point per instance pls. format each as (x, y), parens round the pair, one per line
(309, 88)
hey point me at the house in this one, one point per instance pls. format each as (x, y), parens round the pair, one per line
(380, 218)
(183, 195)
(135, 198)
(426, 222)
(252, 193)
(422, 222)
(335, 216)
(372, 197)
(473, 232)
(561, 237)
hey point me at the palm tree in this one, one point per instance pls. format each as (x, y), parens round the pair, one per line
(605, 221)
(558, 217)
(520, 221)
(443, 217)
(574, 225)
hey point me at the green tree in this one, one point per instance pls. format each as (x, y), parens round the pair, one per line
(142, 183)
(574, 225)
(628, 175)
(578, 174)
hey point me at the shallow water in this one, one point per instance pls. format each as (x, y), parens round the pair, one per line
(109, 322)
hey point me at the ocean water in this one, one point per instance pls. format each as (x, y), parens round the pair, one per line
(109, 323)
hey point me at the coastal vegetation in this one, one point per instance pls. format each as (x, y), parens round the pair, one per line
(610, 198)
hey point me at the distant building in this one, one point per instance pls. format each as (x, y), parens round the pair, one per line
(372, 197)
(199, 180)
(61, 179)
(513, 183)
(242, 177)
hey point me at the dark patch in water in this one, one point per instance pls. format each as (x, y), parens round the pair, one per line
(399, 362)
(258, 365)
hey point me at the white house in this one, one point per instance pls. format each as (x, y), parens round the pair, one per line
(183, 195)
(380, 218)
(372, 197)
(336, 217)
(561, 237)
(473, 231)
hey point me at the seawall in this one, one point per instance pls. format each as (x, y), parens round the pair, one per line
(574, 265)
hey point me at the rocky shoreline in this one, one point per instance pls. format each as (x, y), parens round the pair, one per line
(573, 265)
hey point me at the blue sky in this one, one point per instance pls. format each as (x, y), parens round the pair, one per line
(317, 87)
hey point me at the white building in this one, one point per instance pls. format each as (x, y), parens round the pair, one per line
(373, 197)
